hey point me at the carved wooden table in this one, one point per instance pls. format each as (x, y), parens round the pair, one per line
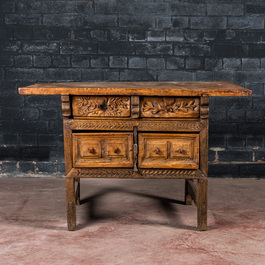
(137, 130)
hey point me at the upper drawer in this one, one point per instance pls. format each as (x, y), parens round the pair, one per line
(168, 150)
(103, 149)
(170, 107)
(101, 106)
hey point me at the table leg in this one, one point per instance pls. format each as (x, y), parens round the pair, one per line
(77, 191)
(202, 190)
(70, 203)
(188, 198)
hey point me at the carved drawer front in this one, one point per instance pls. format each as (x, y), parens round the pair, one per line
(103, 149)
(168, 151)
(101, 106)
(170, 107)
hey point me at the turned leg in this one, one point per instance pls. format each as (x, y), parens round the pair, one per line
(202, 189)
(77, 191)
(70, 203)
(188, 198)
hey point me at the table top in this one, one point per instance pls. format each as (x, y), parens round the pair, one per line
(211, 88)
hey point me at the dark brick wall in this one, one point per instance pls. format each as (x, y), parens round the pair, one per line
(121, 40)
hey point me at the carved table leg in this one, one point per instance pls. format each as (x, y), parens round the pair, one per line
(70, 203)
(188, 198)
(202, 204)
(77, 191)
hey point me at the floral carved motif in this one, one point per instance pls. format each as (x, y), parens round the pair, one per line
(169, 107)
(101, 106)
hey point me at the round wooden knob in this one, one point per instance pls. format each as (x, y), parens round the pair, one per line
(157, 150)
(91, 150)
(116, 150)
(180, 150)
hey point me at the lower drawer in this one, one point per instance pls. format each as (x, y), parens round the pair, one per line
(168, 151)
(103, 149)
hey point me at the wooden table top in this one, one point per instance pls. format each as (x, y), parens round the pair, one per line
(214, 88)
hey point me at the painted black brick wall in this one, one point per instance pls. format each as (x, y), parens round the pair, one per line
(121, 40)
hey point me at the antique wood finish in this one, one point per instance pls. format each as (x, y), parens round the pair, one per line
(169, 107)
(93, 106)
(168, 150)
(103, 150)
(137, 130)
(179, 89)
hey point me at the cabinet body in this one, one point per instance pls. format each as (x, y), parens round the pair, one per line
(137, 130)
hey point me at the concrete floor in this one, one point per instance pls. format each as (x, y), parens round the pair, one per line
(131, 222)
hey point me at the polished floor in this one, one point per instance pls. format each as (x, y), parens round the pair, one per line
(131, 222)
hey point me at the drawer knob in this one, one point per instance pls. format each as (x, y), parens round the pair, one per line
(116, 150)
(91, 150)
(157, 150)
(180, 150)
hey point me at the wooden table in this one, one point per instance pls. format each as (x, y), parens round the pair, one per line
(137, 130)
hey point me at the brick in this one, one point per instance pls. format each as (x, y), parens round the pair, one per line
(29, 114)
(44, 102)
(174, 63)
(78, 47)
(147, 8)
(236, 115)
(9, 166)
(255, 115)
(49, 114)
(175, 35)
(10, 47)
(217, 141)
(137, 62)
(245, 23)
(111, 7)
(62, 74)
(22, 32)
(188, 9)
(208, 23)
(137, 35)
(137, 21)
(99, 61)
(163, 22)
(81, 33)
(232, 63)
(100, 75)
(47, 139)
(260, 156)
(250, 63)
(99, 20)
(155, 63)
(42, 60)
(230, 50)
(210, 35)
(254, 142)
(118, 34)
(153, 49)
(256, 50)
(225, 10)
(223, 128)
(26, 167)
(155, 36)
(24, 74)
(257, 89)
(250, 36)
(116, 48)
(40, 47)
(6, 32)
(252, 170)
(254, 76)
(82, 61)
(99, 35)
(7, 7)
(171, 75)
(211, 155)
(28, 140)
(193, 35)
(223, 170)
(217, 115)
(255, 9)
(22, 19)
(51, 33)
(238, 156)
(61, 7)
(6, 61)
(61, 61)
(34, 7)
(57, 20)
(194, 63)
(118, 62)
(9, 153)
(139, 75)
(192, 50)
(10, 139)
(213, 64)
(254, 129)
(180, 22)
(236, 142)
